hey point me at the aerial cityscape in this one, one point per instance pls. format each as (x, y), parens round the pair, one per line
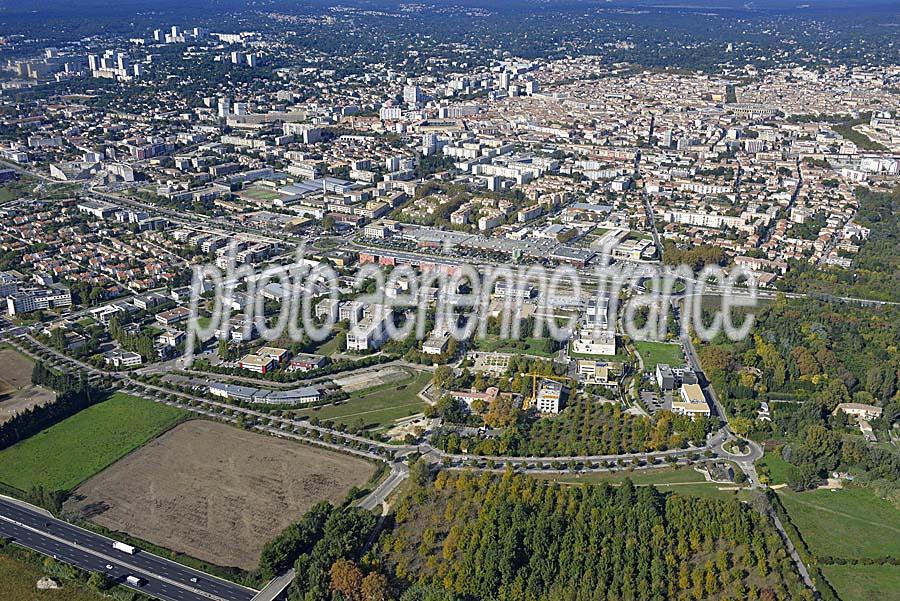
(476, 300)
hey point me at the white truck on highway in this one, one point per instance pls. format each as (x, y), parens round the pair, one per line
(124, 548)
(134, 580)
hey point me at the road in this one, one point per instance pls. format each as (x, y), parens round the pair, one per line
(167, 580)
(792, 551)
(399, 473)
(276, 586)
(744, 462)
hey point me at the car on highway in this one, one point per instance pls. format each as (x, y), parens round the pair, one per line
(110, 566)
(193, 579)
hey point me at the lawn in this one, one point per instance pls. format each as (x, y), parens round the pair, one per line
(660, 476)
(684, 481)
(68, 453)
(863, 583)
(379, 406)
(659, 352)
(14, 190)
(773, 467)
(652, 284)
(850, 522)
(528, 346)
(330, 346)
(17, 580)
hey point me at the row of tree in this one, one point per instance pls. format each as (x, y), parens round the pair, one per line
(73, 395)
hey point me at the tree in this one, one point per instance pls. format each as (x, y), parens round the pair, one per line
(741, 426)
(443, 377)
(346, 579)
(802, 477)
(452, 410)
(420, 472)
(503, 412)
(835, 392)
(99, 581)
(374, 587)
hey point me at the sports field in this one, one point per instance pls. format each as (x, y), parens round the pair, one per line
(70, 452)
(260, 193)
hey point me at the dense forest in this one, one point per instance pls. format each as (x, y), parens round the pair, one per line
(804, 358)
(483, 537)
(809, 349)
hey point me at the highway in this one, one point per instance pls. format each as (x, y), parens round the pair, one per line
(170, 581)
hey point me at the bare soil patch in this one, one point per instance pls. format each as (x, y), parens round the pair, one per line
(17, 393)
(24, 399)
(215, 492)
(371, 377)
(15, 370)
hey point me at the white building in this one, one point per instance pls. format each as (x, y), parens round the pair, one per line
(412, 95)
(594, 372)
(370, 333)
(436, 343)
(515, 291)
(593, 341)
(122, 359)
(550, 397)
(304, 132)
(34, 300)
(692, 402)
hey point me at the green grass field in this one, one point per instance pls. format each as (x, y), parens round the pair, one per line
(677, 285)
(850, 522)
(773, 467)
(16, 189)
(528, 346)
(379, 406)
(684, 481)
(864, 583)
(330, 346)
(661, 476)
(68, 453)
(17, 580)
(260, 193)
(659, 352)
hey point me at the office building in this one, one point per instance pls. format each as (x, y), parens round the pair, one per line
(550, 397)
(27, 301)
(691, 402)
